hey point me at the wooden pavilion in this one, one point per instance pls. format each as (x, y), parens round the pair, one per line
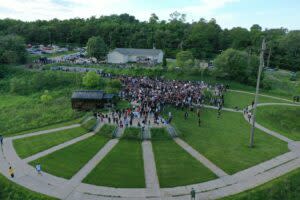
(92, 100)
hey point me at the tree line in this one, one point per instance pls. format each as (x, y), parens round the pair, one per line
(205, 39)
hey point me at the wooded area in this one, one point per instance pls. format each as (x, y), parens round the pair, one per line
(205, 39)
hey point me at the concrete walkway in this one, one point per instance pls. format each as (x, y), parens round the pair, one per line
(216, 170)
(77, 178)
(263, 95)
(151, 177)
(270, 132)
(226, 109)
(225, 185)
(64, 145)
(45, 131)
(58, 147)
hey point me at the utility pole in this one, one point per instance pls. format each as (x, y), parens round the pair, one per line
(261, 66)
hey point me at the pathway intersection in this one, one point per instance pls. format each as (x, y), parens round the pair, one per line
(74, 189)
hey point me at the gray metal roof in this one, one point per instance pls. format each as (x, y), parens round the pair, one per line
(138, 52)
(109, 96)
(88, 94)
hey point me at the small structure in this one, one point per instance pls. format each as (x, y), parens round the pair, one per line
(92, 100)
(126, 55)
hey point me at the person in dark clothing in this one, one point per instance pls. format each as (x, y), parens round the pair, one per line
(186, 115)
(193, 194)
(1, 140)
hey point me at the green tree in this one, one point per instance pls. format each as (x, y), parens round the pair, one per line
(290, 51)
(184, 59)
(237, 65)
(96, 47)
(91, 80)
(12, 49)
(115, 83)
(46, 97)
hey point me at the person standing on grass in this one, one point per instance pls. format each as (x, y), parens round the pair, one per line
(186, 115)
(38, 169)
(11, 172)
(219, 111)
(199, 122)
(198, 113)
(1, 140)
(193, 194)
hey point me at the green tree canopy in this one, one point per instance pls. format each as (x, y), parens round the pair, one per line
(237, 65)
(91, 80)
(96, 47)
(46, 97)
(184, 59)
(204, 38)
(12, 49)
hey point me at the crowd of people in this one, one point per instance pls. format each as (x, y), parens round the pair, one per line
(152, 95)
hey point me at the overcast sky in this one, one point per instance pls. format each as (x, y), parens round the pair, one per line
(228, 13)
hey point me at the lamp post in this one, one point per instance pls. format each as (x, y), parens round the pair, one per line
(261, 66)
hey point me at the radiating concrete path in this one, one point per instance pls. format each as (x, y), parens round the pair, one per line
(26, 175)
(58, 147)
(77, 178)
(63, 145)
(151, 177)
(207, 163)
(45, 131)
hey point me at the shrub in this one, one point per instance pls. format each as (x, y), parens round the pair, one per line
(91, 80)
(132, 134)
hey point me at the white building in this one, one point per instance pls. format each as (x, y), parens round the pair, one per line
(125, 55)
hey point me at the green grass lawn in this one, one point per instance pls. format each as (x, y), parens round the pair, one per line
(52, 126)
(12, 191)
(225, 141)
(90, 124)
(26, 147)
(68, 161)
(175, 167)
(132, 134)
(282, 119)
(286, 187)
(107, 130)
(123, 167)
(241, 100)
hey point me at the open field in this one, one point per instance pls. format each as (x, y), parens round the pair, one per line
(176, 167)
(26, 147)
(282, 119)
(123, 167)
(22, 113)
(225, 140)
(285, 187)
(68, 161)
